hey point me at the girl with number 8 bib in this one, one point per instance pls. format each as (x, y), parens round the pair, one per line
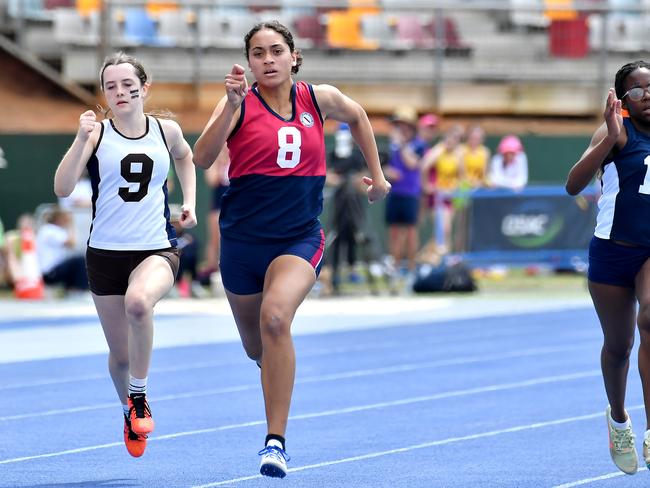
(271, 239)
(131, 259)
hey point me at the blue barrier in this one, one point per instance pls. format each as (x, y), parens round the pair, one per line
(537, 225)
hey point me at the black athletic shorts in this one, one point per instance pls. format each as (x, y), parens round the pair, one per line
(109, 271)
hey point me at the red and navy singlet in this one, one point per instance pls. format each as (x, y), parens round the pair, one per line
(277, 170)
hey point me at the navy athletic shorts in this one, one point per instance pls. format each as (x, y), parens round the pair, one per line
(243, 265)
(402, 209)
(615, 264)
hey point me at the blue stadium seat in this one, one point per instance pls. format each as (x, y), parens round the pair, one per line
(28, 9)
(140, 28)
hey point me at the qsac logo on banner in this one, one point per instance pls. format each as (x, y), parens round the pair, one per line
(530, 230)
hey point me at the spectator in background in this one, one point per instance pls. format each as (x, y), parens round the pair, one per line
(216, 176)
(187, 279)
(429, 129)
(54, 243)
(14, 246)
(4, 264)
(403, 203)
(79, 204)
(344, 166)
(81, 196)
(444, 160)
(475, 156)
(429, 132)
(5, 277)
(3, 160)
(509, 166)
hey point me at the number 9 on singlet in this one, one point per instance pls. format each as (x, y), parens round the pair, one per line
(288, 147)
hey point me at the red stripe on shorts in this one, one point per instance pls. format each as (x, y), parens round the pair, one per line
(316, 258)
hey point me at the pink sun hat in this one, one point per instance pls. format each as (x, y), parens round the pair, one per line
(428, 120)
(510, 144)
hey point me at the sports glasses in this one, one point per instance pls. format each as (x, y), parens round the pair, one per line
(636, 94)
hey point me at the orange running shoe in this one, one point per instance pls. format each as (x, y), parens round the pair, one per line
(140, 414)
(135, 443)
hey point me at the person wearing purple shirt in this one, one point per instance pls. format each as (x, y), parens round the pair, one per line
(403, 204)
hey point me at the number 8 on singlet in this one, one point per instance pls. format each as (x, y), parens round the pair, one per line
(288, 147)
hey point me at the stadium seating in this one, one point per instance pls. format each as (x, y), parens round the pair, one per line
(87, 7)
(344, 31)
(378, 28)
(28, 9)
(211, 27)
(412, 34)
(54, 4)
(217, 29)
(139, 28)
(154, 8)
(71, 28)
(453, 44)
(309, 31)
(236, 27)
(528, 14)
(625, 32)
(177, 28)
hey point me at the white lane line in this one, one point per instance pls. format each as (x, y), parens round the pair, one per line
(56, 381)
(424, 445)
(347, 410)
(61, 453)
(402, 368)
(192, 366)
(100, 406)
(587, 481)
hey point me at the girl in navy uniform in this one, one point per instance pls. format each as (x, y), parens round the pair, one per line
(131, 258)
(271, 238)
(619, 269)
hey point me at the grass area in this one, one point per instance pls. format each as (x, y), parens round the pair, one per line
(518, 281)
(501, 282)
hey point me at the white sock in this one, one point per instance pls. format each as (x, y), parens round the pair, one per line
(619, 425)
(274, 442)
(137, 385)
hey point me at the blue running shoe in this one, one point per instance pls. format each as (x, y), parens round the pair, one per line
(274, 462)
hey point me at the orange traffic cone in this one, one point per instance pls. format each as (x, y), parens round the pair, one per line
(29, 284)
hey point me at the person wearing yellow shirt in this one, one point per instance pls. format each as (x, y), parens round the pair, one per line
(443, 159)
(475, 157)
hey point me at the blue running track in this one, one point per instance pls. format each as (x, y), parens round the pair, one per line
(501, 401)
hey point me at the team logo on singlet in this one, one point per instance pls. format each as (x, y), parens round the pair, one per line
(307, 119)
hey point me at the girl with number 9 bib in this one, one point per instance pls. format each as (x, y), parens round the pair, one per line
(271, 239)
(131, 259)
